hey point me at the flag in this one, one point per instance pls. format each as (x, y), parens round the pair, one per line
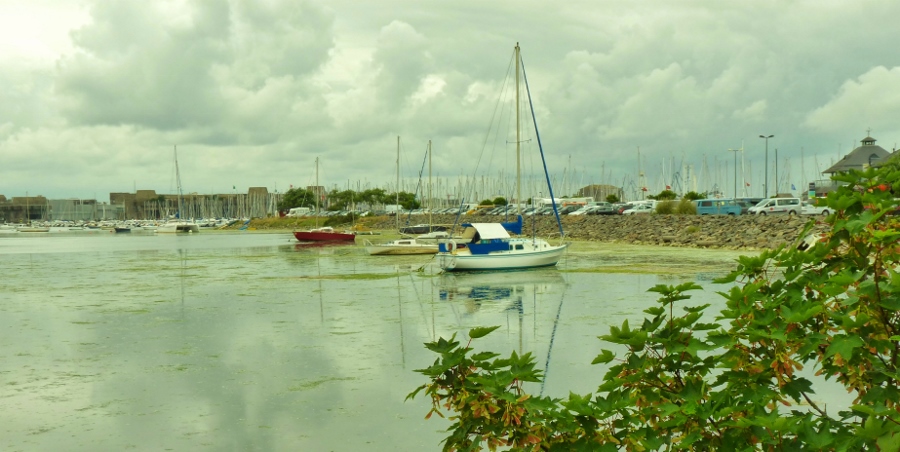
(643, 188)
(748, 184)
(234, 187)
(793, 187)
(668, 187)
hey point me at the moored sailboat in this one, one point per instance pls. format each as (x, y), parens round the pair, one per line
(178, 224)
(489, 246)
(323, 234)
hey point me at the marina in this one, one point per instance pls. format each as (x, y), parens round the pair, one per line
(241, 340)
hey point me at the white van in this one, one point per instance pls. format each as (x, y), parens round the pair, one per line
(790, 206)
(298, 212)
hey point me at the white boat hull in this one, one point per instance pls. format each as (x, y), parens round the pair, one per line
(543, 255)
(180, 227)
(402, 247)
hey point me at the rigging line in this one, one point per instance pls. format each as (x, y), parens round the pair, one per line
(537, 135)
(473, 181)
(562, 297)
(421, 308)
(418, 184)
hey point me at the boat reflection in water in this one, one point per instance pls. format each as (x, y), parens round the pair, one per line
(314, 245)
(497, 291)
(527, 304)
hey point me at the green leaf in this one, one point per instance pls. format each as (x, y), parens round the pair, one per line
(889, 441)
(604, 357)
(482, 331)
(843, 345)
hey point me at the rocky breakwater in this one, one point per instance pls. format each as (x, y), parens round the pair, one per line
(712, 231)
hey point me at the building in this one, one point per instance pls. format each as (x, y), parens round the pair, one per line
(600, 192)
(148, 205)
(141, 205)
(868, 154)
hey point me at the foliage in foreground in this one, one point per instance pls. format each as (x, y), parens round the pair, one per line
(736, 383)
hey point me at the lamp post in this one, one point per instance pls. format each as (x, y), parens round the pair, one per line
(735, 170)
(766, 184)
(776, 171)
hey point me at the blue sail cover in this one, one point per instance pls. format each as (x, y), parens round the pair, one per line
(514, 226)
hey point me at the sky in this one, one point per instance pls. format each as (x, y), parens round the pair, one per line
(95, 96)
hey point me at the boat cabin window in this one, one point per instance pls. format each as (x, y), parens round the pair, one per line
(520, 247)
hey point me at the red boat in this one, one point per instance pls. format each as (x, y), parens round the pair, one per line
(326, 234)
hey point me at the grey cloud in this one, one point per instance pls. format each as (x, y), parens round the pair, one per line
(218, 70)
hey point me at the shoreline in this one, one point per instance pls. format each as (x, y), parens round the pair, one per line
(742, 232)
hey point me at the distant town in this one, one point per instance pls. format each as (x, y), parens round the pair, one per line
(258, 202)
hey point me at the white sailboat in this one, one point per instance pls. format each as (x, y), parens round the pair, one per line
(488, 246)
(178, 224)
(423, 244)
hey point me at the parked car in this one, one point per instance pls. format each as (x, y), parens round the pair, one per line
(585, 210)
(747, 203)
(811, 209)
(790, 206)
(639, 209)
(604, 209)
(717, 207)
(620, 207)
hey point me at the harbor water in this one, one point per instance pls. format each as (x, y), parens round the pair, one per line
(251, 341)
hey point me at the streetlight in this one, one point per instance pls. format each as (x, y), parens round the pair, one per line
(735, 170)
(766, 184)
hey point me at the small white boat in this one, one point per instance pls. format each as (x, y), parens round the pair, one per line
(177, 227)
(401, 247)
(33, 229)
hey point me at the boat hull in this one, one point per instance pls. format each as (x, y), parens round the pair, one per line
(173, 228)
(318, 236)
(33, 229)
(401, 250)
(502, 260)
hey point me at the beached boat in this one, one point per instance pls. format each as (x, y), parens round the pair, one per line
(323, 234)
(409, 246)
(489, 246)
(33, 229)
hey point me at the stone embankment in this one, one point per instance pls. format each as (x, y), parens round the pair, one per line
(712, 231)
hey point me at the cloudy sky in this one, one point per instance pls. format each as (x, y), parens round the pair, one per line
(95, 95)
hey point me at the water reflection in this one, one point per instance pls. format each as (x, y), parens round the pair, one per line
(529, 302)
(249, 342)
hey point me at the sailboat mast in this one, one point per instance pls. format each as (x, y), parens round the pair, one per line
(397, 194)
(518, 142)
(430, 207)
(178, 184)
(317, 193)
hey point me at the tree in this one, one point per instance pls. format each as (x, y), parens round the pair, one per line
(612, 198)
(693, 196)
(373, 196)
(829, 303)
(408, 201)
(341, 200)
(664, 195)
(297, 197)
(500, 201)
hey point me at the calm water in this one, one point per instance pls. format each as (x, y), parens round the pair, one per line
(247, 341)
